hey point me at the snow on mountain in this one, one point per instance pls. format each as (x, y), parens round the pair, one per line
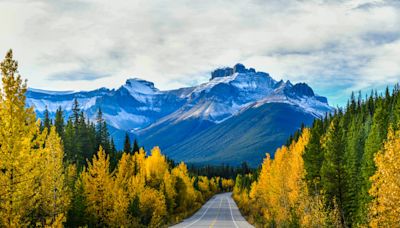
(142, 90)
(40, 105)
(299, 95)
(51, 92)
(139, 105)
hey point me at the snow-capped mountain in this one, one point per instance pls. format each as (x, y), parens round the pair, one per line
(168, 117)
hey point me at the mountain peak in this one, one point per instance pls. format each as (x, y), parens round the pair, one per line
(228, 71)
(137, 85)
(303, 89)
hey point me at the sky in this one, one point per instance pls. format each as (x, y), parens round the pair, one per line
(335, 46)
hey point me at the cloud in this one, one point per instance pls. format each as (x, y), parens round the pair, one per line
(76, 76)
(86, 44)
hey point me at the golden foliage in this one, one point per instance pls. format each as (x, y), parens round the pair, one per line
(152, 206)
(38, 189)
(385, 207)
(280, 195)
(55, 194)
(98, 187)
(21, 147)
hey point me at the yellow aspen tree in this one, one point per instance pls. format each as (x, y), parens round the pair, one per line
(213, 185)
(384, 210)
(156, 166)
(152, 207)
(169, 191)
(186, 194)
(98, 185)
(118, 215)
(204, 186)
(120, 197)
(260, 192)
(21, 144)
(139, 160)
(227, 184)
(278, 187)
(137, 182)
(55, 195)
(125, 171)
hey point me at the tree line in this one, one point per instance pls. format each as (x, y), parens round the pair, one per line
(55, 174)
(343, 171)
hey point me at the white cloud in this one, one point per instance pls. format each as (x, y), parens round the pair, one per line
(86, 44)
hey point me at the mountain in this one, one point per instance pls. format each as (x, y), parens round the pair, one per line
(238, 115)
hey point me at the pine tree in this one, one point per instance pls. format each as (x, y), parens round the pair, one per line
(136, 147)
(75, 112)
(127, 144)
(313, 157)
(59, 122)
(47, 121)
(21, 146)
(102, 135)
(332, 171)
(69, 143)
(373, 143)
(114, 156)
(351, 168)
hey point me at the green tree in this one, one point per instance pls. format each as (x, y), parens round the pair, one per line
(136, 147)
(373, 143)
(59, 122)
(102, 135)
(332, 170)
(127, 144)
(47, 121)
(313, 157)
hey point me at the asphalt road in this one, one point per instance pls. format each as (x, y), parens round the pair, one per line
(219, 211)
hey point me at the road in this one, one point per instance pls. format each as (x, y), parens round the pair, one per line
(219, 211)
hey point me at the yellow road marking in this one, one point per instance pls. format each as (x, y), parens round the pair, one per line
(215, 220)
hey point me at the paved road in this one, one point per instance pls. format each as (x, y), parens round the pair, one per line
(219, 211)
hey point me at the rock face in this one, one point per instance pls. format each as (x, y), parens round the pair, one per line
(170, 118)
(223, 72)
(302, 89)
(228, 71)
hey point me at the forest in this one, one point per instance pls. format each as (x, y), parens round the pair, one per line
(56, 174)
(343, 171)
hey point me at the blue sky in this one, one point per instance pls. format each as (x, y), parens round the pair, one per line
(335, 46)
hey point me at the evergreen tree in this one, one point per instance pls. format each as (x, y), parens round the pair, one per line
(136, 147)
(127, 144)
(59, 122)
(332, 170)
(313, 157)
(75, 111)
(373, 143)
(70, 144)
(47, 121)
(102, 135)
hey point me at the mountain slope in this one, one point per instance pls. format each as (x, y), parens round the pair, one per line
(237, 115)
(244, 137)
